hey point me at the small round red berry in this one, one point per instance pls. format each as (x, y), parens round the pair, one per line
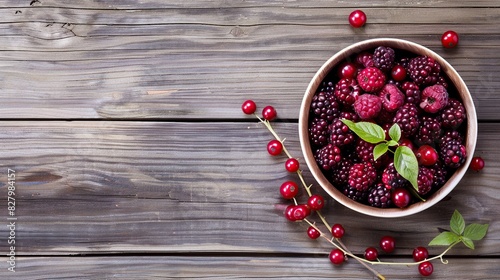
(449, 39)
(336, 256)
(406, 142)
(357, 18)
(292, 165)
(274, 147)
(269, 113)
(289, 189)
(387, 244)
(348, 70)
(316, 202)
(289, 213)
(301, 211)
(398, 73)
(401, 197)
(338, 231)
(420, 254)
(248, 107)
(313, 233)
(371, 254)
(426, 155)
(477, 163)
(425, 268)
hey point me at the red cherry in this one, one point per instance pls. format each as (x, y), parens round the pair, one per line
(338, 231)
(248, 107)
(289, 190)
(300, 212)
(336, 256)
(477, 163)
(426, 155)
(398, 73)
(387, 244)
(269, 113)
(371, 254)
(357, 18)
(425, 268)
(348, 70)
(449, 39)
(292, 165)
(401, 197)
(313, 233)
(316, 202)
(289, 213)
(274, 147)
(406, 142)
(420, 254)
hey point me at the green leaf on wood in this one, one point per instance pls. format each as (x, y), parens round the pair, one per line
(457, 223)
(370, 132)
(475, 231)
(406, 165)
(444, 239)
(395, 132)
(379, 150)
(467, 242)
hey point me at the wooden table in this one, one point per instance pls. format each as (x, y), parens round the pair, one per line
(122, 122)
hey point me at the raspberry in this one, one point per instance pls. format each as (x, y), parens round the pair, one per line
(407, 119)
(434, 98)
(383, 58)
(340, 134)
(380, 196)
(371, 79)
(318, 132)
(392, 179)
(424, 70)
(340, 173)
(362, 176)
(429, 130)
(347, 91)
(453, 114)
(411, 92)
(328, 157)
(425, 180)
(355, 194)
(392, 98)
(365, 59)
(452, 153)
(324, 105)
(368, 106)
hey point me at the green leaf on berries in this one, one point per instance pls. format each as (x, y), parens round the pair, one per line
(445, 239)
(395, 132)
(457, 223)
(392, 143)
(370, 132)
(379, 150)
(406, 165)
(467, 242)
(475, 231)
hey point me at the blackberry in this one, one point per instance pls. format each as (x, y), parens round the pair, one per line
(411, 92)
(328, 157)
(324, 105)
(340, 134)
(340, 173)
(429, 130)
(440, 174)
(424, 70)
(362, 176)
(355, 194)
(318, 132)
(383, 58)
(452, 153)
(364, 150)
(425, 180)
(380, 196)
(385, 117)
(392, 179)
(327, 86)
(347, 91)
(453, 115)
(450, 135)
(352, 116)
(442, 81)
(407, 119)
(405, 62)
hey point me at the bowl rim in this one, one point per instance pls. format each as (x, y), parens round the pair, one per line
(454, 77)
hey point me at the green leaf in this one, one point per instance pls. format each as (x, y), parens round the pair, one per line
(395, 132)
(475, 231)
(467, 242)
(444, 239)
(406, 165)
(392, 143)
(457, 223)
(370, 132)
(379, 150)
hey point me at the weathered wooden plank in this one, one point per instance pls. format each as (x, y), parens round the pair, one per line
(85, 187)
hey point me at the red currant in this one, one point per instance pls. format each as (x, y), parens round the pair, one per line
(387, 244)
(348, 70)
(289, 213)
(313, 233)
(292, 165)
(336, 256)
(401, 197)
(449, 39)
(269, 113)
(477, 163)
(301, 211)
(274, 147)
(420, 254)
(425, 268)
(338, 231)
(371, 254)
(316, 202)
(249, 107)
(426, 155)
(398, 73)
(289, 190)
(357, 18)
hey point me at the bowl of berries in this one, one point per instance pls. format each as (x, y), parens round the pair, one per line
(387, 127)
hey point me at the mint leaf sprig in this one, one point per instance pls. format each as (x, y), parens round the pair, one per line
(405, 161)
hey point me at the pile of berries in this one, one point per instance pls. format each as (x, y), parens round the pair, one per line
(387, 86)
